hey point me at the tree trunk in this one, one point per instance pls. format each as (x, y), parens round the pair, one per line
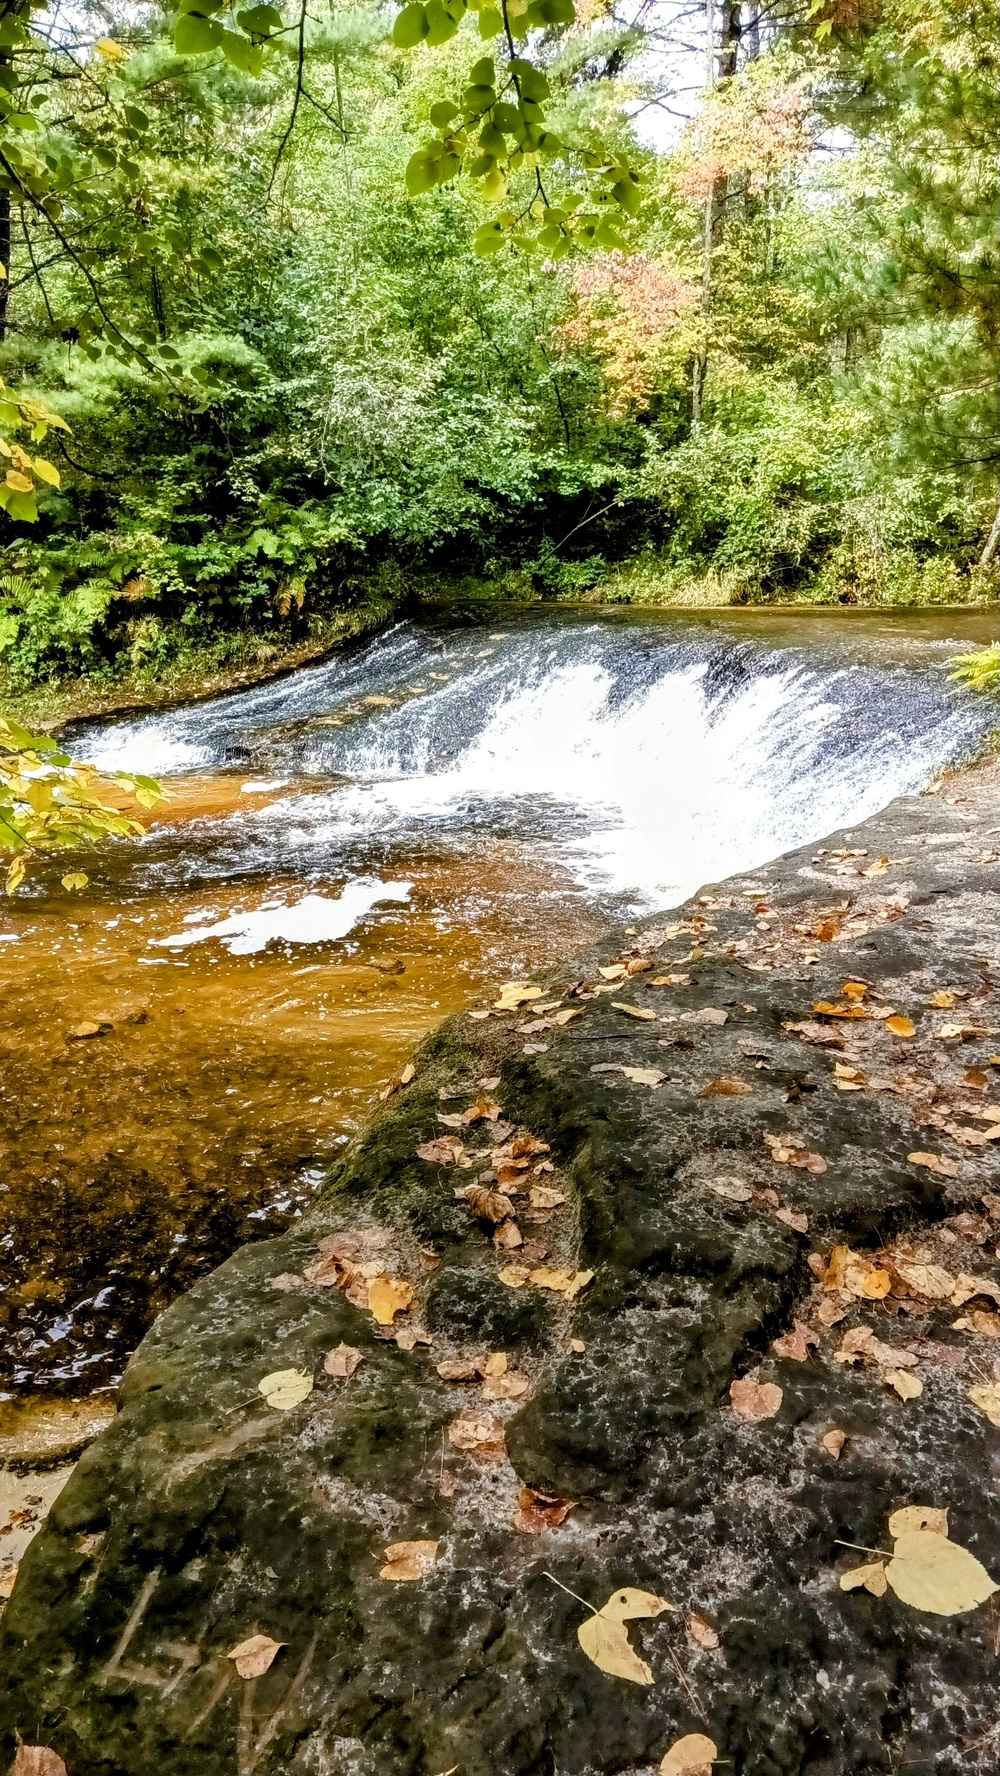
(992, 542)
(4, 259)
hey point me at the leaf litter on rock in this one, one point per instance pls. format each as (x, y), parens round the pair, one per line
(755, 1400)
(926, 1570)
(285, 1388)
(693, 1755)
(408, 1562)
(342, 1361)
(255, 1655)
(603, 1635)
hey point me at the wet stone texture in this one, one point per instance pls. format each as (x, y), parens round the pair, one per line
(204, 1515)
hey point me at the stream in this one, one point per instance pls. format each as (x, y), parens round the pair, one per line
(352, 852)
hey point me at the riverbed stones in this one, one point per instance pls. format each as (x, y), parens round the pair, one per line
(710, 1223)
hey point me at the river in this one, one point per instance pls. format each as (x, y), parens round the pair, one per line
(350, 853)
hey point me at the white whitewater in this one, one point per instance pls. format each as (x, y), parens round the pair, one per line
(643, 760)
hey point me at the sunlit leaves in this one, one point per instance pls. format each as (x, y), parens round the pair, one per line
(48, 803)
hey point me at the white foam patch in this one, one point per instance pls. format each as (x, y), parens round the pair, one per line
(316, 918)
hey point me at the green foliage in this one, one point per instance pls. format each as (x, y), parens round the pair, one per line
(979, 670)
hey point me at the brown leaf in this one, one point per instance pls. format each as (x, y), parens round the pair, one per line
(538, 1511)
(795, 1344)
(342, 1361)
(830, 1312)
(860, 1342)
(727, 1088)
(928, 1280)
(8, 1579)
(908, 1387)
(505, 1387)
(515, 1276)
(388, 1296)
(833, 1442)
(701, 1632)
(444, 1150)
(986, 1324)
(691, 1756)
(483, 1110)
(988, 1400)
(495, 1363)
(753, 1399)
(793, 1218)
(788, 1150)
(406, 1562)
(871, 1577)
(542, 1196)
(634, 1011)
(37, 1760)
(478, 1433)
(507, 1237)
(854, 991)
(255, 1656)
(488, 1205)
(458, 1369)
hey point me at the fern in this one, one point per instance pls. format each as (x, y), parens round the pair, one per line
(979, 670)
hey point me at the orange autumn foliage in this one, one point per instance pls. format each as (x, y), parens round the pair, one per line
(746, 128)
(628, 309)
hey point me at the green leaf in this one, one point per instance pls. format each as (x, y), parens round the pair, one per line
(411, 26)
(488, 239)
(421, 172)
(531, 81)
(491, 140)
(246, 56)
(21, 506)
(506, 117)
(442, 113)
(490, 22)
(260, 20)
(479, 98)
(483, 72)
(196, 35)
(136, 118)
(441, 25)
(607, 235)
(212, 258)
(626, 193)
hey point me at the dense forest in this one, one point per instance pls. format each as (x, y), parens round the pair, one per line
(286, 350)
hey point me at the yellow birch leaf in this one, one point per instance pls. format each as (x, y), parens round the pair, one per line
(932, 1517)
(691, 1756)
(629, 1604)
(286, 1388)
(607, 1644)
(930, 1573)
(870, 1577)
(388, 1296)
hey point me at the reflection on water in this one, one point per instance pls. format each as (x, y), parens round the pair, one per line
(351, 853)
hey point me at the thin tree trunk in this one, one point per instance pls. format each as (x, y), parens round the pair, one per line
(992, 542)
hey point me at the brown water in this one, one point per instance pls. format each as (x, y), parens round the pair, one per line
(208, 1108)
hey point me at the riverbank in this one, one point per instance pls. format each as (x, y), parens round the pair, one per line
(733, 1258)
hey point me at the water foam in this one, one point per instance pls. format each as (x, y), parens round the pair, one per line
(316, 918)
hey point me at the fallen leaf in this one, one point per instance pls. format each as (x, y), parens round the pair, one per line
(488, 1205)
(8, 1579)
(988, 1400)
(933, 1162)
(444, 1150)
(753, 1399)
(629, 1604)
(932, 1517)
(515, 1276)
(854, 991)
(861, 1342)
(85, 1032)
(607, 1645)
(495, 1363)
(727, 1088)
(709, 1014)
(942, 1001)
(458, 1369)
(908, 1387)
(793, 1218)
(478, 1433)
(516, 993)
(833, 1442)
(483, 1110)
(878, 868)
(388, 1296)
(733, 1190)
(650, 1076)
(563, 1282)
(406, 1562)
(824, 1008)
(671, 980)
(786, 1150)
(537, 1511)
(691, 1756)
(634, 1011)
(967, 1287)
(929, 1280)
(830, 1312)
(542, 1196)
(701, 1632)
(795, 1344)
(342, 1361)
(37, 1760)
(986, 1324)
(900, 1026)
(286, 1388)
(508, 1237)
(255, 1656)
(871, 1577)
(931, 1573)
(616, 971)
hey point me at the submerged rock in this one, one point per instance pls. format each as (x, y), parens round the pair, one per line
(709, 1208)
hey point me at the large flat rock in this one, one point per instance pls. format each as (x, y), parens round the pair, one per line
(205, 1515)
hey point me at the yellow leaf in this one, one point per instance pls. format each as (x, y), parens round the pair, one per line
(650, 1076)
(900, 1026)
(628, 1605)
(47, 471)
(854, 989)
(634, 1011)
(930, 1573)
(109, 49)
(388, 1296)
(286, 1388)
(906, 1386)
(988, 1400)
(607, 1644)
(516, 993)
(76, 881)
(18, 483)
(255, 1656)
(932, 1517)
(406, 1562)
(16, 873)
(871, 1577)
(933, 1162)
(691, 1756)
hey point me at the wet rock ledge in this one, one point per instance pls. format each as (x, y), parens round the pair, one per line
(506, 1383)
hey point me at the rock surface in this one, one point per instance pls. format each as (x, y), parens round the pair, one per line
(205, 1516)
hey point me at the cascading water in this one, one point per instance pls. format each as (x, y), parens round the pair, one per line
(351, 853)
(641, 758)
